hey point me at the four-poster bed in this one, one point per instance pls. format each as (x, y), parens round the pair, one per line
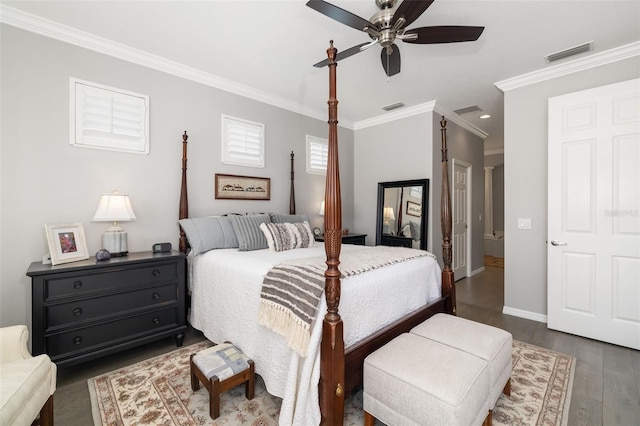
(340, 365)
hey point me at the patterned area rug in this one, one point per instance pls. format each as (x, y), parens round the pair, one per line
(158, 392)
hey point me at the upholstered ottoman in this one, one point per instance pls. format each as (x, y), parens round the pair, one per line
(484, 341)
(220, 368)
(416, 381)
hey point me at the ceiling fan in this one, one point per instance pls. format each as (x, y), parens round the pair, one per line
(388, 25)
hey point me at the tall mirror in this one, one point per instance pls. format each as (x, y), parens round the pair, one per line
(402, 213)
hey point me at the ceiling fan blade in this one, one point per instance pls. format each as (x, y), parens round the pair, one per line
(340, 15)
(343, 54)
(390, 60)
(442, 34)
(410, 10)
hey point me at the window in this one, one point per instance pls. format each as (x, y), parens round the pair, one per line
(317, 154)
(108, 118)
(242, 142)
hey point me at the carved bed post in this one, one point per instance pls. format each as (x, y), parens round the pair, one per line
(331, 386)
(183, 211)
(448, 283)
(292, 194)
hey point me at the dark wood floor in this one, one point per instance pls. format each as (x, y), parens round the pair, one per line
(607, 377)
(605, 390)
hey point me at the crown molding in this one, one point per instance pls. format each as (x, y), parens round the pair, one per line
(395, 115)
(494, 151)
(26, 21)
(420, 109)
(613, 55)
(452, 116)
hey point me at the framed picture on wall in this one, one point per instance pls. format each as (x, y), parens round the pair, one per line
(414, 209)
(66, 243)
(232, 187)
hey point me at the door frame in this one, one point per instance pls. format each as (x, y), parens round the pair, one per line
(469, 168)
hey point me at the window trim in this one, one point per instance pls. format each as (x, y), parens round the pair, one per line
(138, 144)
(259, 161)
(311, 167)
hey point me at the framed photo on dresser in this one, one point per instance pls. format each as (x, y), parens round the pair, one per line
(67, 243)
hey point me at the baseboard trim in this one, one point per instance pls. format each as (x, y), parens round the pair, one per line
(524, 314)
(477, 271)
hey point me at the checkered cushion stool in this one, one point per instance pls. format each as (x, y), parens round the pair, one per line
(220, 368)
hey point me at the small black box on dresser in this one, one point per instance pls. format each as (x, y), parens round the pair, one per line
(88, 309)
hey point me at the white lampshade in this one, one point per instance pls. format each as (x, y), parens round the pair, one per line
(388, 214)
(114, 207)
(321, 212)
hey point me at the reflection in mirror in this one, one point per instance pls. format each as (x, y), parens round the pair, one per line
(402, 213)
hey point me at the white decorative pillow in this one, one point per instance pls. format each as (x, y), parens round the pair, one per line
(280, 236)
(303, 233)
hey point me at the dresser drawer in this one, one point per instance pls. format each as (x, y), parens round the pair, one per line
(74, 285)
(93, 338)
(88, 309)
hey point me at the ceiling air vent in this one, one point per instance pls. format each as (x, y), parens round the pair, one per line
(586, 47)
(393, 106)
(467, 110)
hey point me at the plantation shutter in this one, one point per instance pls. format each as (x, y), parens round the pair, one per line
(317, 155)
(243, 142)
(109, 118)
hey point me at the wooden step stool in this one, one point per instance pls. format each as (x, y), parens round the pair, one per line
(220, 368)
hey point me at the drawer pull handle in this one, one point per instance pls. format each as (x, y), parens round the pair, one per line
(156, 296)
(156, 273)
(156, 321)
(77, 340)
(77, 312)
(77, 284)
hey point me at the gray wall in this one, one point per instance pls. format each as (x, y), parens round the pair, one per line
(409, 148)
(497, 190)
(525, 176)
(397, 150)
(46, 180)
(468, 147)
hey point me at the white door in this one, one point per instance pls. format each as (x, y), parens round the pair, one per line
(460, 209)
(593, 283)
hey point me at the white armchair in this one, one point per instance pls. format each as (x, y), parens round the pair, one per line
(27, 383)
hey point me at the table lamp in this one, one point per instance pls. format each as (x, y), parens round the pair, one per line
(114, 207)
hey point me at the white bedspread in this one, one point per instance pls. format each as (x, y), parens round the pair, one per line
(225, 287)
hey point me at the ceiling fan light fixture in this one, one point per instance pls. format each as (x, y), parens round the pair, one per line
(393, 106)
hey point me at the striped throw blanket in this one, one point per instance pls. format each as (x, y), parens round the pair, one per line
(291, 291)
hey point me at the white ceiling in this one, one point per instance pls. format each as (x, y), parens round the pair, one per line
(269, 47)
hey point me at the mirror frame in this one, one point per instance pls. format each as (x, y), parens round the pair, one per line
(424, 184)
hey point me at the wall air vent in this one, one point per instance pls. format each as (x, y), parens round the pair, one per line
(586, 47)
(393, 106)
(467, 110)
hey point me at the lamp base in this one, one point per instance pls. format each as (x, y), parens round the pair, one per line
(115, 241)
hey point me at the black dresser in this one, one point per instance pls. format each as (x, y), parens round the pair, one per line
(350, 238)
(396, 241)
(87, 309)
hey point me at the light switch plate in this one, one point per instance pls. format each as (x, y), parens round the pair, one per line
(524, 223)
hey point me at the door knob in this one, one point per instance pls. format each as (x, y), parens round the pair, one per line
(558, 243)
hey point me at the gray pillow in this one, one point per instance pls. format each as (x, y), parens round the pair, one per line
(208, 233)
(288, 218)
(247, 229)
(415, 230)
